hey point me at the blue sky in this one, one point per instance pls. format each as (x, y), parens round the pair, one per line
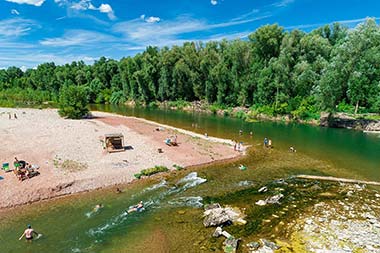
(60, 31)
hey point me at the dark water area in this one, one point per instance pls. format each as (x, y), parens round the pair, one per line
(172, 219)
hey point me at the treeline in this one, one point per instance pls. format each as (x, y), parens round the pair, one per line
(281, 72)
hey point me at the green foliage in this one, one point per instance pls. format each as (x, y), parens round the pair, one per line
(153, 104)
(344, 107)
(73, 102)
(240, 115)
(117, 97)
(275, 72)
(265, 109)
(151, 171)
(179, 104)
(177, 167)
(307, 110)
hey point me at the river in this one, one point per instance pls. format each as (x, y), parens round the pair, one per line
(172, 219)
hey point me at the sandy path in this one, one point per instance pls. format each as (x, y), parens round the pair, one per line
(42, 137)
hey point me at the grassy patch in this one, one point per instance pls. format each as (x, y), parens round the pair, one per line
(151, 171)
(73, 166)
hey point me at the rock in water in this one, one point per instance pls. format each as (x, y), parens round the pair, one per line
(219, 216)
(261, 203)
(216, 217)
(269, 244)
(253, 245)
(275, 199)
(218, 232)
(231, 244)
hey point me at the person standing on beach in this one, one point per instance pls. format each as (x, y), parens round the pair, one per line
(28, 233)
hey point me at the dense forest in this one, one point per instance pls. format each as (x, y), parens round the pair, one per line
(331, 68)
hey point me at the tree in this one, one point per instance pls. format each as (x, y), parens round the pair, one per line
(73, 102)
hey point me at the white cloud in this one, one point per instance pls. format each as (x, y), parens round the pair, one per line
(140, 34)
(83, 5)
(77, 38)
(106, 8)
(15, 12)
(283, 3)
(214, 2)
(31, 2)
(150, 19)
(343, 22)
(153, 19)
(16, 27)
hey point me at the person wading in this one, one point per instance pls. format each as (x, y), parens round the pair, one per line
(28, 233)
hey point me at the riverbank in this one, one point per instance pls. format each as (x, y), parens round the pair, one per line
(367, 122)
(72, 159)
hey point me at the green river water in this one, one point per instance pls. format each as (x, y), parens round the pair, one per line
(172, 220)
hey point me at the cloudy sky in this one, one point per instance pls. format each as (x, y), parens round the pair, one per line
(36, 31)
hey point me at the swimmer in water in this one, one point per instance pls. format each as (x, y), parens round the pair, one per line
(98, 207)
(137, 208)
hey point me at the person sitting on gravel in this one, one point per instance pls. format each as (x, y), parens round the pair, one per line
(20, 163)
(168, 141)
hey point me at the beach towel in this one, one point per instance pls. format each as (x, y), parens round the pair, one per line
(5, 166)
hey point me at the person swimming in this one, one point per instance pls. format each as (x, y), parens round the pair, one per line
(98, 207)
(136, 208)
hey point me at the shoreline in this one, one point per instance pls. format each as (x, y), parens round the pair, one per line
(59, 140)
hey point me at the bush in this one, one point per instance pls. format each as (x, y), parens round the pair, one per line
(344, 107)
(177, 167)
(307, 109)
(73, 102)
(240, 115)
(154, 170)
(117, 97)
(179, 104)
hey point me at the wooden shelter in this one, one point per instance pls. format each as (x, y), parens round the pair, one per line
(114, 142)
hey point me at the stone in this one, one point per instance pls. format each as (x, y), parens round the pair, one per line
(261, 203)
(253, 245)
(263, 189)
(212, 206)
(215, 217)
(219, 216)
(269, 244)
(218, 231)
(231, 244)
(275, 199)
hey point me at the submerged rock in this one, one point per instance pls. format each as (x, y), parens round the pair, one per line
(269, 244)
(271, 200)
(231, 244)
(253, 245)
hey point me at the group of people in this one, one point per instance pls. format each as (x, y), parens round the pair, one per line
(10, 115)
(238, 146)
(24, 170)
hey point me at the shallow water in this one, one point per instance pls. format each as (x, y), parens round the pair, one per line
(172, 219)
